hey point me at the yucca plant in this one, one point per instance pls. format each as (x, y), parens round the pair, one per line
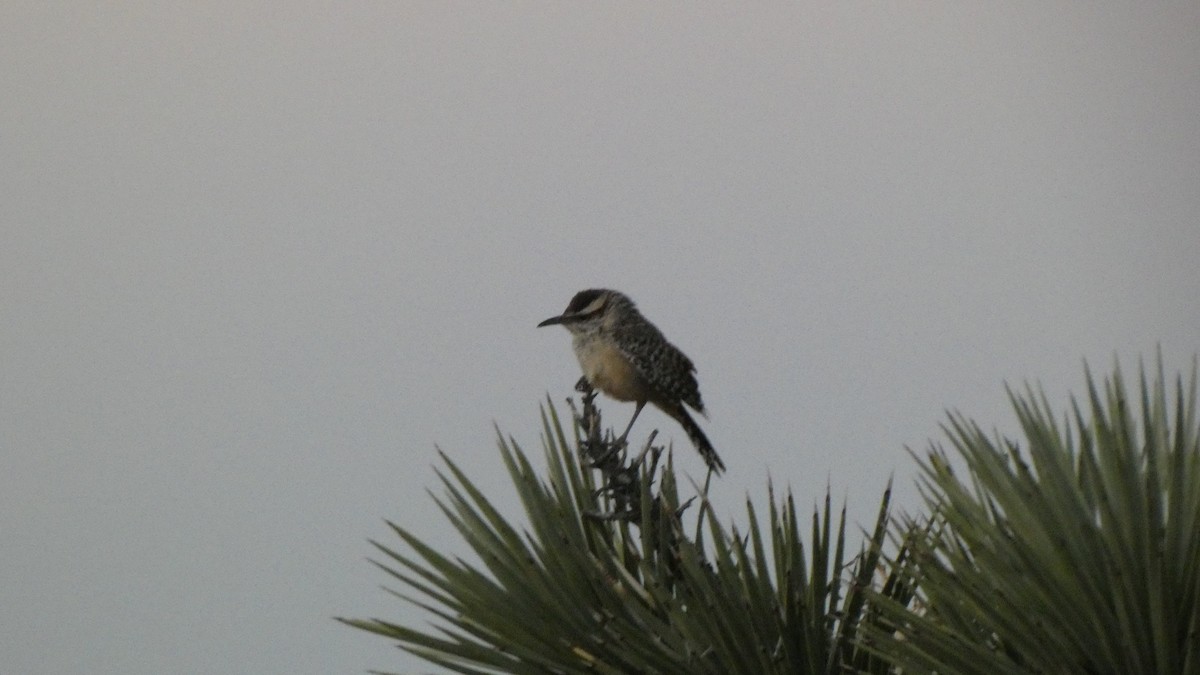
(606, 579)
(1076, 550)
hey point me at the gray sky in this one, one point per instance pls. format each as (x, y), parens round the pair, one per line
(256, 260)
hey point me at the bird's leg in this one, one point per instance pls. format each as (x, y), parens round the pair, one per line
(636, 411)
(583, 386)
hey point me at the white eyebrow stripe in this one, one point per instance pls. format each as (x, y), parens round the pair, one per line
(593, 306)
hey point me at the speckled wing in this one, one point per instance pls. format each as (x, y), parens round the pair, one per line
(663, 366)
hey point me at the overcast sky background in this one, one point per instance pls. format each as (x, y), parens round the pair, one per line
(258, 258)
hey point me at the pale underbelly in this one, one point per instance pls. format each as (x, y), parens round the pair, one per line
(610, 372)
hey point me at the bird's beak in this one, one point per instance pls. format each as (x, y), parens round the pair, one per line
(552, 320)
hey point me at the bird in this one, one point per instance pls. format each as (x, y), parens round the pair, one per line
(625, 356)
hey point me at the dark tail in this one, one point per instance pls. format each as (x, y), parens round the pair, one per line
(695, 433)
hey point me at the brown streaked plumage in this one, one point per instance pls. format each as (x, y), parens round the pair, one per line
(625, 356)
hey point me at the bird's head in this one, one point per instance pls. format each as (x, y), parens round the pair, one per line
(590, 309)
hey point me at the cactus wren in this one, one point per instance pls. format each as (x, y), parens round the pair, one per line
(625, 356)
